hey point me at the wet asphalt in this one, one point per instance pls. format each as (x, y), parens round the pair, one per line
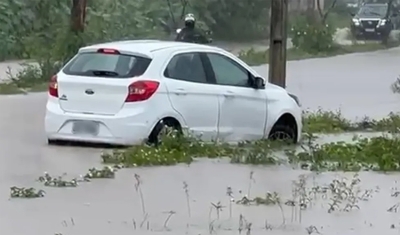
(358, 84)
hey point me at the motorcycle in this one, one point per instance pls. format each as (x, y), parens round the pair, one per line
(208, 34)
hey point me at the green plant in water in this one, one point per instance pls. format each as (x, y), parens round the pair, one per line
(390, 123)
(57, 181)
(269, 199)
(364, 154)
(378, 154)
(244, 225)
(170, 214)
(325, 122)
(217, 207)
(334, 122)
(229, 193)
(312, 229)
(17, 192)
(106, 172)
(186, 189)
(178, 148)
(346, 191)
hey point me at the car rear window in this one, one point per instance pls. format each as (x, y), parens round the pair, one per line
(107, 65)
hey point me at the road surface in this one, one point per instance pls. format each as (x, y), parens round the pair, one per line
(357, 83)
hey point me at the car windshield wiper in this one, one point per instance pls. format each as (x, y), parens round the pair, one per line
(104, 73)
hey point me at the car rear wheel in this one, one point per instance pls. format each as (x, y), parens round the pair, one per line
(161, 129)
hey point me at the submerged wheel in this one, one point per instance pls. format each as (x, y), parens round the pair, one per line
(283, 133)
(52, 142)
(161, 128)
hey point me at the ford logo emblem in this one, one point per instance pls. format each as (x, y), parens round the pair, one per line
(369, 22)
(89, 92)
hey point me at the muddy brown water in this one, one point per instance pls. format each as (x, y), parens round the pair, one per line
(357, 83)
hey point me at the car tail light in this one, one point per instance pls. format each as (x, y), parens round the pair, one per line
(141, 90)
(53, 86)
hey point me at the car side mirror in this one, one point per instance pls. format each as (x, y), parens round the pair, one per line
(352, 14)
(259, 83)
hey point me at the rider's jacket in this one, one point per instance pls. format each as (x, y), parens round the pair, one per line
(191, 35)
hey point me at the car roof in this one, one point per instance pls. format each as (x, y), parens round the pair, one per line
(147, 48)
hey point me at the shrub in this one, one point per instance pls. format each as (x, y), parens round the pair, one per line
(32, 75)
(312, 38)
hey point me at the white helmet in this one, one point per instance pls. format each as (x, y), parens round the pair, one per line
(190, 17)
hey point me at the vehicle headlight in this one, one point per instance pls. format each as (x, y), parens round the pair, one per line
(295, 98)
(356, 22)
(382, 22)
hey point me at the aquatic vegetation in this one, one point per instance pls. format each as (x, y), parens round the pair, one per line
(377, 154)
(17, 192)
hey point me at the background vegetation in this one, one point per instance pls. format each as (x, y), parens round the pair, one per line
(27, 26)
(44, 31)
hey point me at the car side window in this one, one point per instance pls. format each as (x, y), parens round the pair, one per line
(227, 72)
(186, 67)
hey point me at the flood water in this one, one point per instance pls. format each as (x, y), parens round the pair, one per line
(358, 84)
(115, 207)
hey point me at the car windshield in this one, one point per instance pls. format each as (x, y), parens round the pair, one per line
(107, 65)
(373, 11)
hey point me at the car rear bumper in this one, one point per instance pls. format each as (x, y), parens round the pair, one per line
(118, 130)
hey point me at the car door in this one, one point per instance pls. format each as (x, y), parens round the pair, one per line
(243, 109)
(191, 95)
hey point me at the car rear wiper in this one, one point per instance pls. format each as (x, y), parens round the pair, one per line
(104, 73)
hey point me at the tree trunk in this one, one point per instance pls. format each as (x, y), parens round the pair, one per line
(78, 14)
(310, 12)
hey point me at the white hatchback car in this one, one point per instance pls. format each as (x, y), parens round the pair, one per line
(125, 92)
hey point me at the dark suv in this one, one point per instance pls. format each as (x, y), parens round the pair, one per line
(374, 20)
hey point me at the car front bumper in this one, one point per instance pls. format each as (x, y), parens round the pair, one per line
(361, 31)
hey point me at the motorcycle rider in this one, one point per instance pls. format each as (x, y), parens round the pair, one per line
(189, 33)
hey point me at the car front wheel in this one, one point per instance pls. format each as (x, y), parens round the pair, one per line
(283, 133)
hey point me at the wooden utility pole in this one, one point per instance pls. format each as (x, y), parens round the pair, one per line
(78, 15)
(277, 44)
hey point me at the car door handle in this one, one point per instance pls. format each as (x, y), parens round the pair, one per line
(180, 91)
(229, 94)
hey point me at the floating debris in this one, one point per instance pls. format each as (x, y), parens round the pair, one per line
(17, 192)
